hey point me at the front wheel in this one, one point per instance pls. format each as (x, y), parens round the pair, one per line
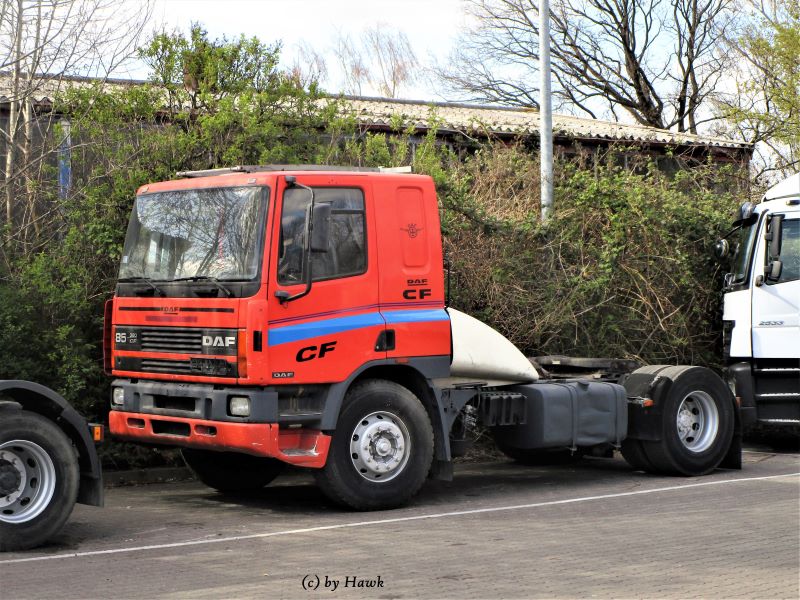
(382, 449)
(232, 472)
(38, 479)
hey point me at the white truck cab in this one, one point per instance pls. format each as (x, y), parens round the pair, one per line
(762, 307)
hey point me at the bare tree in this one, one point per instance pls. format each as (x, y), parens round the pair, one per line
(350, 59)
(43, 43)
(309, 65)
(764, 105)
(394, 63)
(380, 60)
(656, 60)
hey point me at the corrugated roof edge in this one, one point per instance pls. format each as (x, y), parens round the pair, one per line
(624, 131)
(577, 127)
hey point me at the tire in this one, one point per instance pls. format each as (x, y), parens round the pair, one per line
(382, 449)
(697, 424)
(39, 463)
(539, 457)
(232, 472)
(635, 456)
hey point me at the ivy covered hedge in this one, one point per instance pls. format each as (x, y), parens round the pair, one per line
(623, 269)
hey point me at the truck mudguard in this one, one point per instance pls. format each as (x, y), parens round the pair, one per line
(44, 401)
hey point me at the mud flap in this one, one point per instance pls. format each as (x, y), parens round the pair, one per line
(733, 459)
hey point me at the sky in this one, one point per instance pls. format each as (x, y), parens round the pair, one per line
(431, 25)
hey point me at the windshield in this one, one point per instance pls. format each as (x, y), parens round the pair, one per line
(195, 233)
(744, 249)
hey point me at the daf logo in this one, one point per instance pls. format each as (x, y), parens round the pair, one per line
(218, 341)
(170, 310)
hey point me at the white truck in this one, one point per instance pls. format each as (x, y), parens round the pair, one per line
(762, 307)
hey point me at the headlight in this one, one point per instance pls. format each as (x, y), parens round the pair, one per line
(239, 406)
(118, 396)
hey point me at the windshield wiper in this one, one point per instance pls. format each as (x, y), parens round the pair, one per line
(209, 279)
(146, 280)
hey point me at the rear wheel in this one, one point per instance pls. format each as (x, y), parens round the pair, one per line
(232, 471)
(382, 450)
(38, 480)
(697, 425)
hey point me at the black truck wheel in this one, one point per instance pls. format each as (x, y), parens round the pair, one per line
(38, 479)
(382, 449)
(696, 425)
(232, 472)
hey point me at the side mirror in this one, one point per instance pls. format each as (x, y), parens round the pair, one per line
(745, 210)
(321, 227)
(773, 235)
(773, 270)
(774, 267)
(722, 250)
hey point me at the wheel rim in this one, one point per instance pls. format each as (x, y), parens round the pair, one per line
(28, 481)
(697, 421)
(380, 446)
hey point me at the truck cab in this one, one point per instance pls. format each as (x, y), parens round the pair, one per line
(761, 310)
(216, 325)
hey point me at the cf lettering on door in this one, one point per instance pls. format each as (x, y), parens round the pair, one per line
(418, 294)
(312, 352)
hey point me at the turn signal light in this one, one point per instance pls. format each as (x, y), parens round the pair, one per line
(241, 357)
(98, 432)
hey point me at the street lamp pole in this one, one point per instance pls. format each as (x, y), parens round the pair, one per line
(545, 112)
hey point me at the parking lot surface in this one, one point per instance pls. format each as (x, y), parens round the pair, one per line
(592, 530)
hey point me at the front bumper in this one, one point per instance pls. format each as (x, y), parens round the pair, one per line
(301, 447)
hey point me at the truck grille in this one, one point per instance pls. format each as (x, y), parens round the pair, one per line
(204, 367)
(176, 340)
(154, 365)
(179, 340)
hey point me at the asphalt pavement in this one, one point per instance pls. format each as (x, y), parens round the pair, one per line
(592, 530)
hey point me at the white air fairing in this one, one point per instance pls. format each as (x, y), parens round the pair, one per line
(481, 354)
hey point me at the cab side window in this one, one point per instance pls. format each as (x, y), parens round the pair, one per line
(790, 251)
(347, 246)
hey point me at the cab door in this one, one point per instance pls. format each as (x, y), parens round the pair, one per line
(776, 304)
(326, 335)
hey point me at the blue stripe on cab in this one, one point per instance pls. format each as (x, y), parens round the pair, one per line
(304, 331)
(415, 316)
(312, 329)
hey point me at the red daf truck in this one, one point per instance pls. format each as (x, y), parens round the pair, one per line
(274, 315)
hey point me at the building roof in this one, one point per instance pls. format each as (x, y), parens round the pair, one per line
(467, 119)
(46, 88)
(473, 119)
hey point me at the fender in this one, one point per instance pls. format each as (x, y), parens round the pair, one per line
(742, 374)
(39, 399)
(428, 367)
(644, 423)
